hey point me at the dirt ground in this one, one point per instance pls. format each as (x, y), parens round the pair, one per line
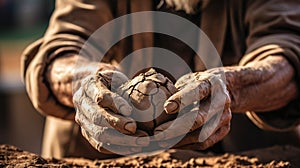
(277, 156)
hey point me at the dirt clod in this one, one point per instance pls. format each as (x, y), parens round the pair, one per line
(147, 92)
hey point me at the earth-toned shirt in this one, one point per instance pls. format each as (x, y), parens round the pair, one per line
(241, 31)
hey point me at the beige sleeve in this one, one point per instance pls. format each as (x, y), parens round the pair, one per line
(274, 29)
(71, 24)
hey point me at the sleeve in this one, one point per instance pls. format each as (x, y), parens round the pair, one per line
(274, 29)
(71, 24)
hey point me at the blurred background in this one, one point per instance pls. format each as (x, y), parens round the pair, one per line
(21, 23)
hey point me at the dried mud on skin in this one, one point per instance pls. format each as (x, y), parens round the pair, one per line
(11, 156)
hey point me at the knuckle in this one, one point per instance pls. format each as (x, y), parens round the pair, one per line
(87, 80)
(226, 118)
(229, 114)
(77, 96)
(209, 142)
(228, 101)
(97, 118)
(198, 121)
(195, 125)
(228, 98)
(201, 116)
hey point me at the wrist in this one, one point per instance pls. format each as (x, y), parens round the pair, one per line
(65, 73)
(232, 86)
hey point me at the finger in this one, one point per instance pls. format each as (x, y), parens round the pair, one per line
(219, 135)
(112, 78)
(195, 91)
(103, 117)
(208, 115)
(183, 80)
(190, 138)
(177, 142)
(99, 93)
(195, 136)
(202, 86)
(215, 123)
(110, 149)
(180, 126)
(191, 141)
(216, 107)
(187, 122)
(112, 136)
(216, 118)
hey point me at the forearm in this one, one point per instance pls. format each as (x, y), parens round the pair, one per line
(263, 85)
(65, 73)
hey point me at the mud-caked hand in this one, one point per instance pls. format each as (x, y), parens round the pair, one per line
(103, 115)
(203, 107)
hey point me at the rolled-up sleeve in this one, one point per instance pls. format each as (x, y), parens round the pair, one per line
(72, 23)
(274, 29)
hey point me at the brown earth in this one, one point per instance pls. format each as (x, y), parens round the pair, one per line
(277, 156)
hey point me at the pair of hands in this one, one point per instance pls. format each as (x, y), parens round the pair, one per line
(260, 86)
(104, 116)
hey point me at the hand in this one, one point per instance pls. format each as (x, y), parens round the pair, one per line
(202, 125)
(103, 115)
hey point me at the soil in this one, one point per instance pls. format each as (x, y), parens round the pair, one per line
(277, 156)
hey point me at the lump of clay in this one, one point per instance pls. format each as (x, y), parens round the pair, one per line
(147, 92)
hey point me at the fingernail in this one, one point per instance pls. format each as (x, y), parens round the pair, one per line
(171, 106)
(142, 141)
(130, 127)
